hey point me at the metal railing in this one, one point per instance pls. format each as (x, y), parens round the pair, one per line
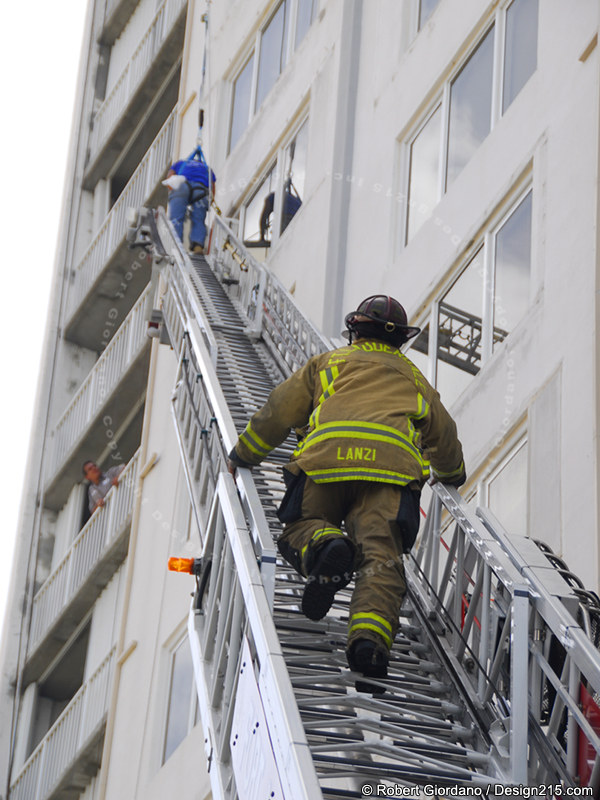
(504, 621)
(95, 539)
(512, 628)
(132, 76)
(270, 310)
(241, 676)
(68, 739)
(106, 374)
(204, 428)
(111, 235)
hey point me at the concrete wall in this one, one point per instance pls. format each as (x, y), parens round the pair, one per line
(157, 607)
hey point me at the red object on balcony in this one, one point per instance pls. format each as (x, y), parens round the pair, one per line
(587, 754)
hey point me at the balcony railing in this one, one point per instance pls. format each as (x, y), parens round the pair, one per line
(125, 346)
(85, 556)
(71, 744)
(112, 233)
(132, 76)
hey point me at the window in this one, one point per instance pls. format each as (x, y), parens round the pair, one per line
(295, 173)
(426, 9)
(273, 48)
(468, 107)
(258, 211)
(242, 88)
(512, 267)
(273, 52)
(481, 307)
(182, 707)
(520, 48)
(307, 11)
(279, 197)
(423, 191)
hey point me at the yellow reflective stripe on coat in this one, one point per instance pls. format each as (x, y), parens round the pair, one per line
(455, 473)
(327, 377)
(360, 474)
(422, 408)
(372, 622)
(254, 443)
(371, 431)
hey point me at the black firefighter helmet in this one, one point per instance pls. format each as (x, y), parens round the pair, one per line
(380, 317)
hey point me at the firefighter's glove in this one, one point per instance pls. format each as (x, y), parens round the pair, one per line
(234, 461)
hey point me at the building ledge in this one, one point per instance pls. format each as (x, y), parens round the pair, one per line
(67, 758)
(117, 16)
(158, 52)
(110, 276)
(112, 392)
(87, 567)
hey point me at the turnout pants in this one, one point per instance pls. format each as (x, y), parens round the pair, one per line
(382, 521)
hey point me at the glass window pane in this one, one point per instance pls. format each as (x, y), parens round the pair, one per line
(273, 51)
(507, 493)
(426, 8)
(513, 268)
(241, 103)
(459, 332)
(520, 51)
(470, 107)
(180, 698)
(295, 175)
(259, 210)
(423, 187)
(307, 10)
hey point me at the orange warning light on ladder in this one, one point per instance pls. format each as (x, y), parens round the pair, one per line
(182, 565)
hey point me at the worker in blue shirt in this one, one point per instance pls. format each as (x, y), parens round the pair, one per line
(191, 185)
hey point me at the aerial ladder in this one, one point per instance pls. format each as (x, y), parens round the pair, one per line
(494, 675)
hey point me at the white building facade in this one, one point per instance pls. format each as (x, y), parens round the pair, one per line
(445, 153)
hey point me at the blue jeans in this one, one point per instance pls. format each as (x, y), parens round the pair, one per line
(178, 204)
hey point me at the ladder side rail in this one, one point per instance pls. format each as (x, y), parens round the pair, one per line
(179, 271)
(214, 650)
(537, 610)
(238, 270)
(213, 400)
(270, 310)
(557, 616)
(467, 551)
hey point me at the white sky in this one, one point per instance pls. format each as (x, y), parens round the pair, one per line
(39, 59)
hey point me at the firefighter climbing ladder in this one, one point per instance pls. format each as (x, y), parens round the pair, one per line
(494, 670)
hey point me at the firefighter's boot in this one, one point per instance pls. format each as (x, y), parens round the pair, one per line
(331, 570)
(371, 660)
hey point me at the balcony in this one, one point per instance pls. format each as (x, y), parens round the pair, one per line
(113, 390)
(69, 755)
(87, 567)
(116, 17)
(157, 54)
(106, 280)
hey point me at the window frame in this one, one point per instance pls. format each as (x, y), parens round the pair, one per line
(254, 51)
(171, 649)
(442, 100)
(484, 243)
(276, 164)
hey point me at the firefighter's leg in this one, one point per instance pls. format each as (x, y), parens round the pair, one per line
(315, 545)
(381, 516)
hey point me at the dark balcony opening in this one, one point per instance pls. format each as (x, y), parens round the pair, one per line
(58, 687)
